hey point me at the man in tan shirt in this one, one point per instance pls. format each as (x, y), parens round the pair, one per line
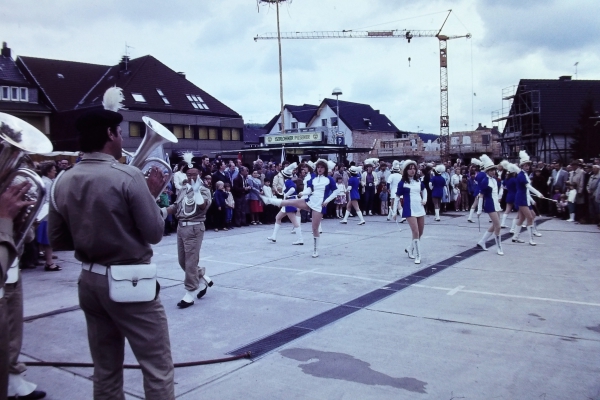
(106, 212)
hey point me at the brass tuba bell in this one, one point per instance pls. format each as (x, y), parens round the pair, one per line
(17, 139)
(156, 135)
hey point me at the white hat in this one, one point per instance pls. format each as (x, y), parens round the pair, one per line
(406, 163)
(330, 165)
(523, 157)
(354, 170)
(486, 162)
(440, 168)
(475, 161)
(311, 164)
(289, 170)
(513, 168)
(396, 166)
(504, 164)
(371, 162)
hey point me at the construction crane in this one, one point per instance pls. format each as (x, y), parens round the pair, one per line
(397, 34)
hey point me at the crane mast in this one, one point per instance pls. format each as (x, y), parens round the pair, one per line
(396, 34)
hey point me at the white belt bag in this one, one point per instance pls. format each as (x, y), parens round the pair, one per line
(132, 283)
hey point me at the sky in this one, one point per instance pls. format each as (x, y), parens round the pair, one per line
(212, 41)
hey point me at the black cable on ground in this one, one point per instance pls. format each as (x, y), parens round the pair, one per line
(247, 354)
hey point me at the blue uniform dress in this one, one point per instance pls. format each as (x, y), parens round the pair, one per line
(354, 184)
(511, 189)
(439, 183)
(323, 188)
(413, 193)
(478, 178)
(489, 190)
(522, 180)
(289, 183)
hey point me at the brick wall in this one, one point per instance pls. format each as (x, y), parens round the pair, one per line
(366, 139)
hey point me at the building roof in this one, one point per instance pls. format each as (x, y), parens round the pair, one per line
(252, 134)
(154, 81)
(302, 113)
(63, 83)
(358, 116)
(561, 101)
(10, 74)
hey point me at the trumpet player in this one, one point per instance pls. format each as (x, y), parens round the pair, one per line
(106, 212)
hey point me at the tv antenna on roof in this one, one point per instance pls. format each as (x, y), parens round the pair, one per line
(575, 65)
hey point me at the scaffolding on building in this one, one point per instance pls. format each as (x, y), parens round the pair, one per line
(522, 130)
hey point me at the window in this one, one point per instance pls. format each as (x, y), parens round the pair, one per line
(454, 140)
(14, 93)
(279, 125)
(5, 93)
(188, 132)
(196, 102)
(24, 94)
(138, 97)
(136, 129)
(324, 122)
(178, 131)
(334, 121)
(226, 134)
(466, 139)
(213, 134)
(235, 134)
(294, 125)
(162, 96)
(202, 133)
(485, 140)
(60, 76)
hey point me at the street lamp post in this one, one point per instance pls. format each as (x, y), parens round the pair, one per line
(337, 92)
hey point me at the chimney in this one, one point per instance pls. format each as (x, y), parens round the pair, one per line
(5, 50)
(123, 65)
(564, 78)
(181, 74)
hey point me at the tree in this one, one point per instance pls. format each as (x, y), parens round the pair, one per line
(586, 136)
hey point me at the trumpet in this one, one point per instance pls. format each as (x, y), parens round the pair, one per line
(156, 135)
(17, 138)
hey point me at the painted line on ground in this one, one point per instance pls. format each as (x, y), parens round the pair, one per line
(455, 290)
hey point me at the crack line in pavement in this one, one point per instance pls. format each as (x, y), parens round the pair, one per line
(275, 340)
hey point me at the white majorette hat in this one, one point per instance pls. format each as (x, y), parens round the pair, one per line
(396, 166)
(354, 170)
(504, 164)
(440, 169)
(371, 162)
(311, 164)
(330, 165)
(486, 162)
(475, 161)
(513, 168)
(289, 170)
(523, 157)
(406, 163)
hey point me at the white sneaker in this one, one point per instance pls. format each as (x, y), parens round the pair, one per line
(270, 239)
(298, 243)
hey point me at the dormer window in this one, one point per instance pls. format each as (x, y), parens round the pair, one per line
(60, 76)
(162, 96)
(138, 97)
(197, 102)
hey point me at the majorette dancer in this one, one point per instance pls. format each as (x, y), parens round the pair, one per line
(437, 185)
(489, 202)
(480, 175)
(392, 182)
(523, 200)
(510, 184)
(289, 192)
(320, 191)
(415, 197)
(311, 167)
(353, 187)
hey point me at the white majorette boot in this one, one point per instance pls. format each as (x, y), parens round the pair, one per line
(300, 240)
(271, 200)
(410, 250)
(530, 230)
(417, 250)
(316, 244)
(345, 220)
(499, 245)
(572, 217)
(362, 220)
(19, 388)
(503, 223)
(437, 214)
(484, 239)
(514, 225)
(535, 231)
(470, 219)
(273, 237)
(320, 229)
(516, 233)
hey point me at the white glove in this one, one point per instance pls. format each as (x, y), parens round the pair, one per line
(198, 199)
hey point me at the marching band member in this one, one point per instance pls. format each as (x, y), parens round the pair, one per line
(415, 197)
(354, 195)
(480, 175)
(437, 184)
(289, 193)
(489, 202)
(392, 182)
(511, 191)
(523, 199)
(320, 190)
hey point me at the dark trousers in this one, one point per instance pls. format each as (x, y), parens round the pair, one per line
(14, 325)
(3, 351)
(369, 198)
(239, 212)
(145, 327)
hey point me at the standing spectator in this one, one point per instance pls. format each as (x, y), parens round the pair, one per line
(220, 197)
(179, 177)
(48, 172)
(231, 172)
(220, 174)
(463, 186)
(571, 198)
(229, 207)
(270, 211)
(559, 177)
(340, 200)
(541, 184)
(369, 181)
(592, 186)
(343, 173)
(205, 167)
(578, 180)
(383, 173)
(239, 189)
(253, 198)
(383, 195)
(63, 165)
(278, 184)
